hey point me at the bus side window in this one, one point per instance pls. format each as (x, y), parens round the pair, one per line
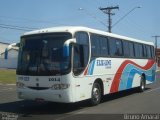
(112, 46)
(137, 50)
(144, 51)
(149, 54)
(131, 50)
(99, 46)
(95, 46)
(119, 51)
(115, 47)
(153, 52)
(126, 49)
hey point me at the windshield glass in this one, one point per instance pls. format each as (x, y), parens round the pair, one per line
(43, 55)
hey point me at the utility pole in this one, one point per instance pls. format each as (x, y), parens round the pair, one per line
(108, 10)
(156, 37)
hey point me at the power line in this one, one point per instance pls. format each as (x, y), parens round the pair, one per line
(137, 27)
(125, 15)
(31, 20)
(93, 16)
(16, 27)
(24, 19)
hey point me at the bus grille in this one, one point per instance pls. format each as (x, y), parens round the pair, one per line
(39, 88)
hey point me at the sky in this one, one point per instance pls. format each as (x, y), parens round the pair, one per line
(19, 16)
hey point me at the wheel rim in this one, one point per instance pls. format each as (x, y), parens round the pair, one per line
(142, 85)
(96, 94)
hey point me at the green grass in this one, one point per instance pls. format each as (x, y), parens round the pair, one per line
(8, 76)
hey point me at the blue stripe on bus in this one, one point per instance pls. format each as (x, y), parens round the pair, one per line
(129, 73)
(91, 67)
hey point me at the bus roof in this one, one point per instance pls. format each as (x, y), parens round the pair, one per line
(73, 29)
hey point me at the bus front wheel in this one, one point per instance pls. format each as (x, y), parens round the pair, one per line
(96, 94)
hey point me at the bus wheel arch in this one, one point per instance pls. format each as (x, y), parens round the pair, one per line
(97, 92)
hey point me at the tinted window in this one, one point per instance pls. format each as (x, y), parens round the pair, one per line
(103, 46)
(153, 52)
(82, 38)
(43, 55)
(148, 49)
(131, 49)
(138, 50)
(112, 46)
(95, 45)
(99, 45)
(126, 48)
(144, 51)
(115, 47)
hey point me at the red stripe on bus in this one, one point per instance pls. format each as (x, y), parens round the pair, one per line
(116, 80)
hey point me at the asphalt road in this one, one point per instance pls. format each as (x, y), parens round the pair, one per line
(114, 106)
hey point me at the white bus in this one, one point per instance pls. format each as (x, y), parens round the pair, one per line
(71, 64)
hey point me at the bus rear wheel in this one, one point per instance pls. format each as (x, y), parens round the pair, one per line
(142, 84)
(96, 94)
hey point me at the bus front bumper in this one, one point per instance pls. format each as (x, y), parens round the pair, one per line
(63, 96)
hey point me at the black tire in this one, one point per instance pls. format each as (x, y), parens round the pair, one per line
(96, 94)
(142, 86)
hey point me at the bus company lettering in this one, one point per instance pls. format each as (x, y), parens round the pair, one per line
(106, 63)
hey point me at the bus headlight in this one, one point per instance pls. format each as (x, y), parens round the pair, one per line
(60, 86)
(20, 85)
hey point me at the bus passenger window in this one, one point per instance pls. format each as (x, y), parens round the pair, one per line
(115, 47)
(131, 50)
(118, 48)
(149, 54)
(126, 49)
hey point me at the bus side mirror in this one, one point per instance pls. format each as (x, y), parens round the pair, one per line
(66, 46)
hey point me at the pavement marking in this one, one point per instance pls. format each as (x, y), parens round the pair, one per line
(11, 84)
(152, 90)
(6, 89)
(7, 84)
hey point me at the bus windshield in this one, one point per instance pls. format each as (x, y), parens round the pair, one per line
(43, 55)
